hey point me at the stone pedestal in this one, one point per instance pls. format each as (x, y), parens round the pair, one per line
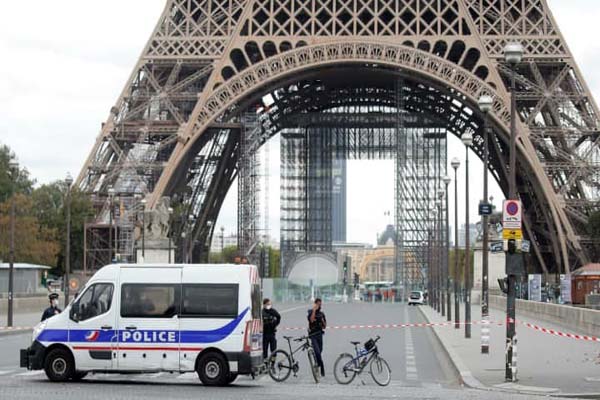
(155, 253)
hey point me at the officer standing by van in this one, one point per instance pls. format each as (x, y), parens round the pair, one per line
(53, 309)
(316, 329)
(271, 319)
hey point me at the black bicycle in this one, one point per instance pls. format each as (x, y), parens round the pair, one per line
(281, 363)
(348, 366)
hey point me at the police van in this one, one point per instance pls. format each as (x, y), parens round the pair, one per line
(152, 318)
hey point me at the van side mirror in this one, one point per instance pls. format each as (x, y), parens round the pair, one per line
(74, 313)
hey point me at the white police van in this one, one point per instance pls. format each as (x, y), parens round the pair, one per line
(151, 318)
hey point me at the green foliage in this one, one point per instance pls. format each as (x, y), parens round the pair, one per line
(34, 243)
(594, 224)
(461, 264)
(50, 210)
(9, 184)
(274, 263)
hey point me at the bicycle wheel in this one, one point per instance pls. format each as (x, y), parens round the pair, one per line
(279, 365)
(344, 369)
(380, 371)
(314, 367)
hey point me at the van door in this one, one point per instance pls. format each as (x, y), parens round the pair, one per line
(148, 319)
(92, 327)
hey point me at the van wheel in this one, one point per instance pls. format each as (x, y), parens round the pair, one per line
(59, 365)
(213, 370)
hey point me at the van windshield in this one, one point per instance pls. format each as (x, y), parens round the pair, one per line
(256, 302)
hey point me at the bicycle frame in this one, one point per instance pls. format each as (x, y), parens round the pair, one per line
(362, 359)
(303, 347)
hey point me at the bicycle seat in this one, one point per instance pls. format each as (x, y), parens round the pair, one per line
(300, 339)
(355, 343)
(288, 337)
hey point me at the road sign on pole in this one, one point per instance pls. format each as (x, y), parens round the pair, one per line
(516, 234)
(511, 214)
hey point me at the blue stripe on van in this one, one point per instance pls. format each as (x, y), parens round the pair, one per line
(141, 336)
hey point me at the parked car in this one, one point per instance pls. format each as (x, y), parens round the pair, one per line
(416, 298)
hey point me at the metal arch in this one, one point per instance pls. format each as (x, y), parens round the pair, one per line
(563, 138)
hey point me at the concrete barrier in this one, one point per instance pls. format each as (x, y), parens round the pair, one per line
(578, 320)
(25, 304)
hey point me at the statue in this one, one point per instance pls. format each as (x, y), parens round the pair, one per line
(157, 221)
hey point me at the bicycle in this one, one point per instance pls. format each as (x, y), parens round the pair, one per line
(281, 363)
(347, 366)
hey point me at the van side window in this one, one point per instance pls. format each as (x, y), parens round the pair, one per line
(96, 300)
(149, 300)
(210, 301)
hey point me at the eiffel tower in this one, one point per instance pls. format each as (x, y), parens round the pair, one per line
(175, 129)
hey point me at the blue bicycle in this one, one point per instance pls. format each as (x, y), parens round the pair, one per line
(348, 366)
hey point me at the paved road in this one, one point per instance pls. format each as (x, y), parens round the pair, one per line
(419, 367)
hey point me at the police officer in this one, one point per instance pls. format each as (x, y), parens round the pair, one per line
(316, 329)
(271, 320)
(53, 309)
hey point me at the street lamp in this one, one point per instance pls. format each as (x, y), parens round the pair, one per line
(13, 167)
(513, 55)
(111, 196)
(455, 163)
(447, 181)
(190, 248)
(143, 203)
(441, 257)
(467, 140)
(435, 294)
(170, 232)
(485, 105)
(69, 183)
(222, 242)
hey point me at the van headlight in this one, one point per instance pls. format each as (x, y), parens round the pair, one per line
(38, 329)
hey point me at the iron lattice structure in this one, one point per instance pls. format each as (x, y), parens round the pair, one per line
(208, 61)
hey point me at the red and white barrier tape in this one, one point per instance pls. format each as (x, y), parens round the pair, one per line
(558, 333)
(390, 326)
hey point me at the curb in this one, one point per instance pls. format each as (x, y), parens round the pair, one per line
(468, 380)
(14, 331)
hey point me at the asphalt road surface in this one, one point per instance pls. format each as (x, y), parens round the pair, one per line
(420, 369)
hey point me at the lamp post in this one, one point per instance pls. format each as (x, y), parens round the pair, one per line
(190, 248)
(455, 163)
(434, 264)
(170, 232)
(13, 167)
(513, 55)
(184, 247)
(111, 195)
(69, 183)
(485, 105)
(441, 263)
(467, 140)
(222, 243)
(143, 203)
(447, 181)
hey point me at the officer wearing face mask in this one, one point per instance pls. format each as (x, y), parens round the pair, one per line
(53, 309)
(271, 320)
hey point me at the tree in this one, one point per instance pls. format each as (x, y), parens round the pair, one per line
(274, 263)
(34, 243)
(50, 210)
(21, 183)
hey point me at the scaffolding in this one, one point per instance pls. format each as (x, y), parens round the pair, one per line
(310, 151)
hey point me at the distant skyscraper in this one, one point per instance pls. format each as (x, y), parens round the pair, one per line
(338, 200)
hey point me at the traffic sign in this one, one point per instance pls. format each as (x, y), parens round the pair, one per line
(516, 234)
(525, 246)
(485, 209)
(496, 247)
(511, 214)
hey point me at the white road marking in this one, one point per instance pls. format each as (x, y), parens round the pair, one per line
(293, 309)
(31, 373)
(188, 375)
(411, 365)
(6, 372)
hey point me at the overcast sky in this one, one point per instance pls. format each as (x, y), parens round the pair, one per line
(64, 63)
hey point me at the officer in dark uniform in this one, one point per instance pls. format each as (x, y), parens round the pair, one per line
(53, 309)
(271, 320)
(316, 329)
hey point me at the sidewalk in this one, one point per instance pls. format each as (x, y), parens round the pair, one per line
(547, 364)
(22, 322)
